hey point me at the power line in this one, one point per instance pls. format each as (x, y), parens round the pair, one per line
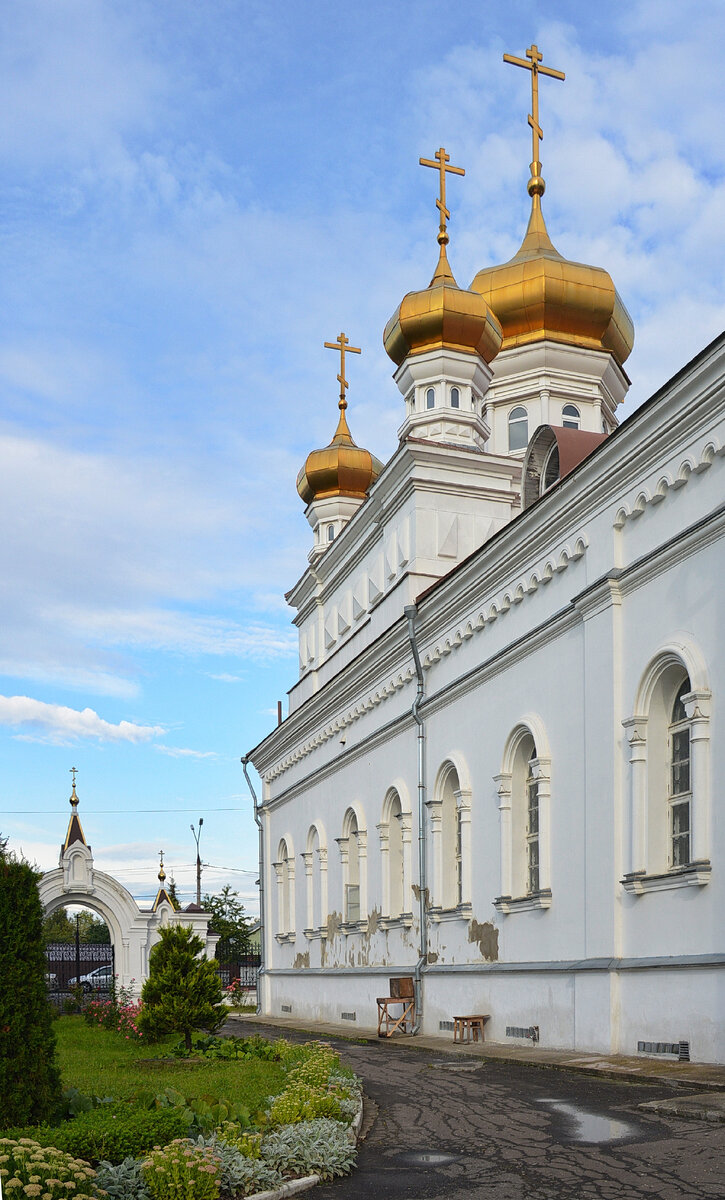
(105, 812)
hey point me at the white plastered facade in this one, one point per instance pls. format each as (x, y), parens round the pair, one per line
(552, 629)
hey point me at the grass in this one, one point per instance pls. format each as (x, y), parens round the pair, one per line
(102, 1063)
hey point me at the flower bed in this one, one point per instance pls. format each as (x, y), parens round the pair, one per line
(228, 1152)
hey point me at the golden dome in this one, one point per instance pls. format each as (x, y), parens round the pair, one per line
(443, 316)
(340, 469)
(539, 294)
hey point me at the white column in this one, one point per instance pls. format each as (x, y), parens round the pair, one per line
(541, 769)
(637, 735)
(406, 830)
(323, 886)
(309, 888)
(343, 845)
(503, 784)
(384, 834)
(362, 868)
(697, 707)
(463, 805)
(435, 863)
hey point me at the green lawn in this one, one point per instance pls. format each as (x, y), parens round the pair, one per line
(99, 1062)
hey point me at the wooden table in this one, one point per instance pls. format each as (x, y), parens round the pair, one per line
(467, 1029)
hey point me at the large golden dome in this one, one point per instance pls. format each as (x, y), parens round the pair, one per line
(442, 316)
(539, 294)
(340, 469)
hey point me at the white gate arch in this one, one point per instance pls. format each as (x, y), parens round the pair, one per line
(133, 930)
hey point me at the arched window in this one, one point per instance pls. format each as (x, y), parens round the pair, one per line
(571, 417)
(285, 869)
(524, 791)
(430, 398)
(455, 398)
(315, 860)
(680, 780)
(668, 816)
(518, 428)
(450, 840)
(330, 533)
(395, 854)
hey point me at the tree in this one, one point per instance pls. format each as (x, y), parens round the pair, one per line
(173, 894)
(183, 992)
(59, 927)
(229, 921)
(29, 1076)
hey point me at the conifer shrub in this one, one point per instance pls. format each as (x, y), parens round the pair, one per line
(183, 992)
(30, 1088)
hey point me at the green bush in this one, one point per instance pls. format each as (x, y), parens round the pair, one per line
(201, 1114)
(29, 1076)
(112, 1132)
(183, 991)
(318, 1147)
(28, 1169)
(182, 1171)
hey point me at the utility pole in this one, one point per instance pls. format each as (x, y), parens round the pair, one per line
(197, 835)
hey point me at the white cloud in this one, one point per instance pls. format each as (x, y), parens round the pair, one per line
(60, 725)
(179, 752)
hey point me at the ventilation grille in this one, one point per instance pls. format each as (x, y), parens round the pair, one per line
(530, 1032)
(349, 1016)
(446, 1025)
(286, 1007)
(681, 1049)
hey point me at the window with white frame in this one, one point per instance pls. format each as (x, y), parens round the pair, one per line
(450, 895)
(680, 789)
(395, 871)
(571, 417)
(668, 813)
(315, 860)
(430, 398)
(285, 869)
(524, 794)
(455, 398)
(518, 428)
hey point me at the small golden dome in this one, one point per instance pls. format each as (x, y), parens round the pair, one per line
(443, 316)
(539, 294)
(340, 469)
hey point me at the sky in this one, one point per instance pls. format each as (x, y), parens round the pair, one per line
(193, 199)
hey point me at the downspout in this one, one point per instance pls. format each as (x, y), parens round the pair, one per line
(410, 612)
(262, 922)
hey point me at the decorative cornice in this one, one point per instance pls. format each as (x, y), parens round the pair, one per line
(690, 465)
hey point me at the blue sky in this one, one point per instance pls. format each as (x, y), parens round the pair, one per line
(194, 197)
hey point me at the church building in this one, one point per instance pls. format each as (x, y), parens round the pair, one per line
(500, 772)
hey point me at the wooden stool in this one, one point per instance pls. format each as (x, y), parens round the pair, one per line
(467, 1029)
(402, 993)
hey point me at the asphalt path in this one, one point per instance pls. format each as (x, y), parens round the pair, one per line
(443, 1126)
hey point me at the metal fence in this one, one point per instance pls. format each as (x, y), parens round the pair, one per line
(244, 968)
(66, 962)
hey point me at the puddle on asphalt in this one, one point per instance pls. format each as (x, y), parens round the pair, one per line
(590, 1127)
(426, 1158)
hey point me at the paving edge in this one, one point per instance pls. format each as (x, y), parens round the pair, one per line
(685, 1110)
(292, 1186)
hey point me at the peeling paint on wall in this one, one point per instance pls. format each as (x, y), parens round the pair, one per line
(334, 921)
(302, 960)
(416, 893)
(373, 921)
(486, 935)
(432, 957)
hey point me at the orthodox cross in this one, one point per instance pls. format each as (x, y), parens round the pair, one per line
(342, 344)
(74, 798)
(162, 873)
(534, 65)
(440, 164)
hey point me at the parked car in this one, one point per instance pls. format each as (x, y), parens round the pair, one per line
(98, 980)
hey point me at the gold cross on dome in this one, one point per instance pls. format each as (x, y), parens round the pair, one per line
(441, 164)
(342, 344)
(534, 65)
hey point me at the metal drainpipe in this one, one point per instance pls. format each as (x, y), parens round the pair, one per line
(410, 612)
(262, 923)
